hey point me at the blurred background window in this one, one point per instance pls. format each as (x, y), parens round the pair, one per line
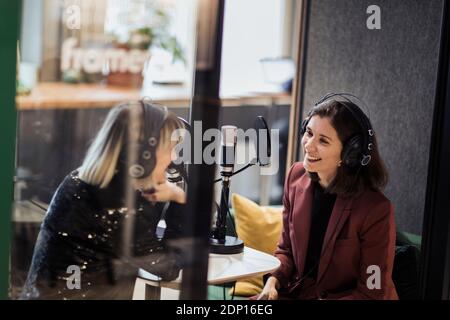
(254, 30)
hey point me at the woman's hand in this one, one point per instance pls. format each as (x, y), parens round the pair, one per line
(270, 291)
(165, 191)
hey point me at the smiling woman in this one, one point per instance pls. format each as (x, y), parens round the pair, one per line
(334, 144)
(337, 203)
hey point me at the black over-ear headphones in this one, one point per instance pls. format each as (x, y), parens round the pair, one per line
(356, 150)
(153, 117)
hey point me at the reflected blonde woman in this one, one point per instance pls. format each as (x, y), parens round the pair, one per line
(100, 227)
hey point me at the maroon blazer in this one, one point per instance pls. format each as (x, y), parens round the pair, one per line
(360, 233)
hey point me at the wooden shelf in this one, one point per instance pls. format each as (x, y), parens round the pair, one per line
(58, 95)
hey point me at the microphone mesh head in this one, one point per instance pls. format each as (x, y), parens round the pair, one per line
(229, 135)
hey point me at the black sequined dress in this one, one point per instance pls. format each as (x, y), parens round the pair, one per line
(91, 245)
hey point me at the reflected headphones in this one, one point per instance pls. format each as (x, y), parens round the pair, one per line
(356, 150)
(153, 120)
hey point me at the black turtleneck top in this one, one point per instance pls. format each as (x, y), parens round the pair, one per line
(322, 207)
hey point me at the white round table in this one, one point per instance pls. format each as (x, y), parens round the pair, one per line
(222, 268)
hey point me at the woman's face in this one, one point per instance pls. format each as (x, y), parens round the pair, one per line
(322, 148)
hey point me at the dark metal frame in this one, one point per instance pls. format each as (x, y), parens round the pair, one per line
(435, 258)
(9, 34)
(205, 107)
(299, 85)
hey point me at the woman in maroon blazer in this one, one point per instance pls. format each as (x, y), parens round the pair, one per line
(338, 237)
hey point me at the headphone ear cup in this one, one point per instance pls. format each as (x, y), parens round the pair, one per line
(351, 152)
(146, 160)
(136, 171)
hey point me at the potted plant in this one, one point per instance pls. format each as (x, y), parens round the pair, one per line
(144, 38)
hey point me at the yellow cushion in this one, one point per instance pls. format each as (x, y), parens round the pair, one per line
(260, 228)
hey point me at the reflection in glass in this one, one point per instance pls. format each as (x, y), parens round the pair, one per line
(101, 225)
(78, 60)
(96, 221)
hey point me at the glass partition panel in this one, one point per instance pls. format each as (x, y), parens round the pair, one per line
(101, 85)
